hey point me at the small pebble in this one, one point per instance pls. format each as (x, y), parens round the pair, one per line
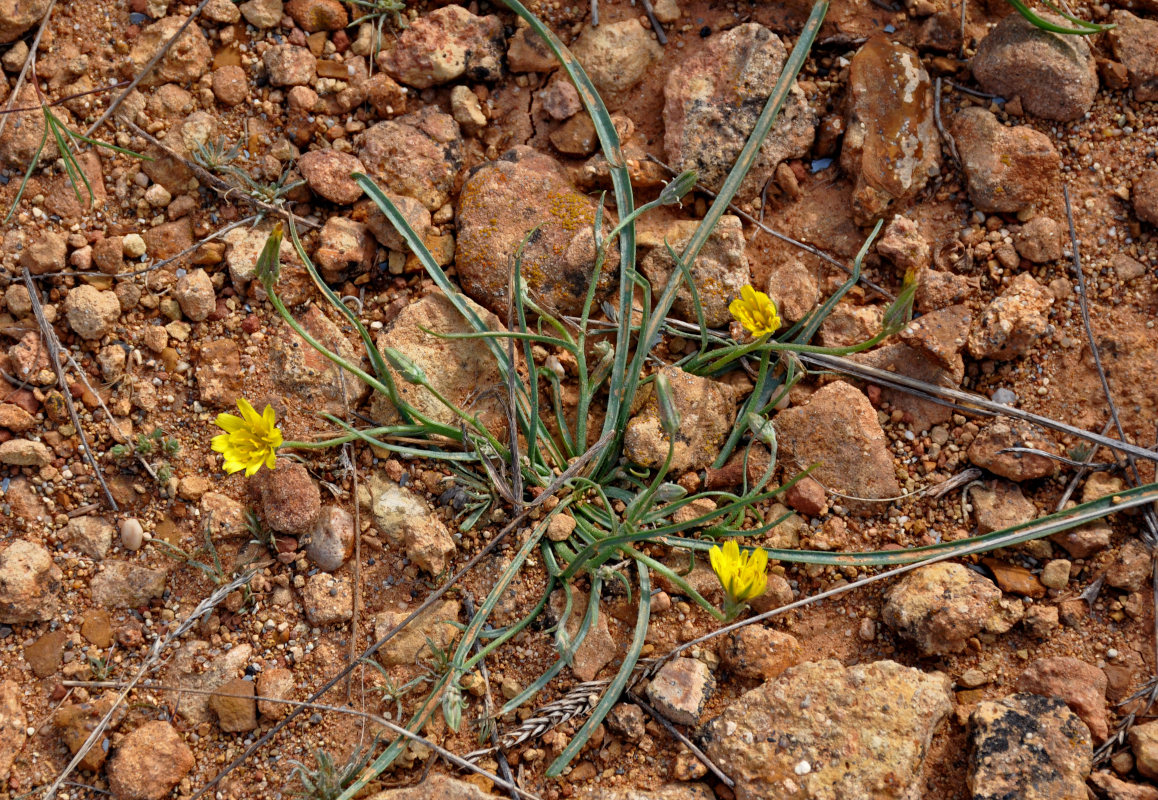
(133, 245)
(132, 534)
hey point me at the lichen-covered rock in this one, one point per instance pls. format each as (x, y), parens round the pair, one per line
(822, 730)
(1007, 170)
(1054, 74)
(680, 689)
(838, 430)
(328, 172)
(1029, 747)
(720, 270)
(122, 584)
(706, 409)
(939, 607)
(712, 100)
(500, 204)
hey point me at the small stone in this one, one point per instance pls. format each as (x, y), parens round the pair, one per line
(121, 584)
(1126, 268)
(500, 202)
(15, 418)
(1144, 744)
(219, 372)
(838, 428)
(13, 726)
(720, 270)
(45, 654)
(25, 453)
(45, 254)
(15, 20)
(939, 607)
(1041, 621)
(527, 52)
(418, 155)
(891, 145)
(149, 762)
(132, 534)
(705, 408)
(985, 451)
(29, 582)
(560, 528)
(91, 535)
(318, 15)
(758, 652)
(560, 100)
(1007, 170)
(1134, 42)
(575, 137)
(411, 646)
(290, 499)
(194, 293)
(97, 628)
(680, 690)
(793, 288)
(1014, 579)
(1054, 74)
(808, 497)
(407, 521)
(289, 65)
(885, 713)
(184, 62)
(230, 85)
(467, 110)
(1116, 789)
(1130, 568)
(940, 335)
(91, 312)
(328, 600)
(262, 14)
(1056, 574)
(713, 98)
(1001, 505)
(1039, 240)
(1029, 747)
(234, 706)
(627, 720)
(193, 667)
(1011, 324)
(333, 539)
(444, 45)
(901, 242)
(616, 56)
(1080, 685)
(133, 246)
(327, 172)
(274, 684)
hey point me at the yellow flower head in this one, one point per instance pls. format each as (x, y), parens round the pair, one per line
(742, 574)
(249, 441)
(755, 311)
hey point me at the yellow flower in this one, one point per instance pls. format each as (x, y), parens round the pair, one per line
(742, 574)
(249, 441)
(755, 311)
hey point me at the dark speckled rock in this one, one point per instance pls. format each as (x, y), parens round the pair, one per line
(1029, 747)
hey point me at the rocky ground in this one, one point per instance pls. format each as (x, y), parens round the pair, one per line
(993, 677)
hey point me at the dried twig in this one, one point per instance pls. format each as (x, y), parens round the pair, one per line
(54, 350)
(948, 137)
(660, 36)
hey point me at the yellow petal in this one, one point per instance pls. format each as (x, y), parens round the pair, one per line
(269, 416)
(229, 422)
(247, 411)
